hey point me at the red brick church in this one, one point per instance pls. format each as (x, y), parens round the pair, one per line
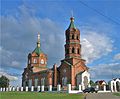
(71, 71)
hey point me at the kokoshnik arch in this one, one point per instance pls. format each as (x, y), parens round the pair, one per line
(71, 71)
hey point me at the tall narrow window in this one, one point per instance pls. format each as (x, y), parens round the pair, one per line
(30, 83)
(67, 51)
(35, 60)
(67, 37)
(73, 50)
(78, 51)
(73, 36)
(42, 81)
(36, 82)
(77, 37)
(29, 61)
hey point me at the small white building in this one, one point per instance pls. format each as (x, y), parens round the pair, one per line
(101, 84)
(115, 85)
(83, 78)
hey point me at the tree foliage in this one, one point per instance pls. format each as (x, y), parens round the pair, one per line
(4, 81)
(92, 83)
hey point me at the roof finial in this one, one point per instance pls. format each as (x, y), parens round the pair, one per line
(72, 18)
(38, 36)
(71, 13)
(38, 40)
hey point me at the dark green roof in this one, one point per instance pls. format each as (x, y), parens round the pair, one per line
(72, 25)
(38, 50)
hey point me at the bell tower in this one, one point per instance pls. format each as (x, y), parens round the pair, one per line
(72, 46)
(72, 64)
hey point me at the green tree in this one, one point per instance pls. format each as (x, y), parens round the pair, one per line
(92, 83)
(4, 81)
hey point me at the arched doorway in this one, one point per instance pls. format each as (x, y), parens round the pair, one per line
(118, 86)
(42, 81)
(64, 81)
(85, 81)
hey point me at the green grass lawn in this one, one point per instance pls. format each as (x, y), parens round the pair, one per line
(117, 94)
(36, 95)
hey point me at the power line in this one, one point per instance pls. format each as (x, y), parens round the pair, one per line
(95, 10)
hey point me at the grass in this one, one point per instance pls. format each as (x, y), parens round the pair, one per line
(117, 94)
(36, 95)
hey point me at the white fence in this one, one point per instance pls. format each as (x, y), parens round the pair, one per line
(41, 89)
(49, 89)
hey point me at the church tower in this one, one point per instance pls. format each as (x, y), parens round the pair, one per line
(37, 60)
(72, 46)
(72, 66)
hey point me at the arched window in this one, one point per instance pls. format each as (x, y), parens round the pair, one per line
(73, 50)
(78, 51)
(73, 36)
(35, 61)
(77, 37)
(30, 83)
(67, 37)
(36, 82)
(42, 61)
(42, 81)
(67, 51)
(29, 61)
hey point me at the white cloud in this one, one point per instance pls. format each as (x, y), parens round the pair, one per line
(15, 63)
(19, 36)
(117, 56)
(105, 71)
(95, 45)
(10, 77)
(27, 25)
(7, 59)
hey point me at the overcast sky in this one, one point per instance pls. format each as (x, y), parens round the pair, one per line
(97, 20)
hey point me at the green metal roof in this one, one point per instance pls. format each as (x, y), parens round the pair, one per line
(72, 25)
(38, 50)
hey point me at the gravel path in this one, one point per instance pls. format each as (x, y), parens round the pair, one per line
(101, 96)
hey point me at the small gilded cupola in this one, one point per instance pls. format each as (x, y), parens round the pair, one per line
(38, 48)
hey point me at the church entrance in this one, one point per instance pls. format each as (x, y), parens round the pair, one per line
(85, 81)
(118, 86)
(64, 81)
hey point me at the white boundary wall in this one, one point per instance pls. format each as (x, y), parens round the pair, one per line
(58, 87)
(50, 88)
(38, 88)
(41, 88)
(73, 91)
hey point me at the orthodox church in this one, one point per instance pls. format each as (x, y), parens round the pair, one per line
(71, 71)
